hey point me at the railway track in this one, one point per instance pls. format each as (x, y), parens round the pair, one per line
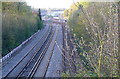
(72, 53)
(68, 60)
(64, 46)
(22, 46)
(43, 67)
(30, 66)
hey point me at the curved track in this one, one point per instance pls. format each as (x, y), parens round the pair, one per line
(31, 67)
(31, 64)
(42, 58)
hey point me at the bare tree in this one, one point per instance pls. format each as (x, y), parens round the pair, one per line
(101, 22)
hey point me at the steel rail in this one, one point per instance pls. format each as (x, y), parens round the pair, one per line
(27, 53)
(36, 58)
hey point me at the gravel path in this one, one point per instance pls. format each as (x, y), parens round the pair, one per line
(55, 66)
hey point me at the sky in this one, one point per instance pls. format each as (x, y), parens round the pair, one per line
(57, 3)
(50, 3)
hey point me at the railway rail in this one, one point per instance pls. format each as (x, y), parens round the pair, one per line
(38, 60)
(71, 52)
(31, 67)
(18, 69)
(45, 63)
(69, 58)
(5, 60)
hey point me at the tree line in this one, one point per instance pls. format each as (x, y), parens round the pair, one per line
(19, 22)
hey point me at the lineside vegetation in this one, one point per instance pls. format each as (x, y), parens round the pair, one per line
(95, 28)
(19, 22)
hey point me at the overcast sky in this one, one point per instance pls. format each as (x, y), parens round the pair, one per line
(50, 3)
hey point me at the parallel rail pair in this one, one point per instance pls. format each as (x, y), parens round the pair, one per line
(30, 67)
